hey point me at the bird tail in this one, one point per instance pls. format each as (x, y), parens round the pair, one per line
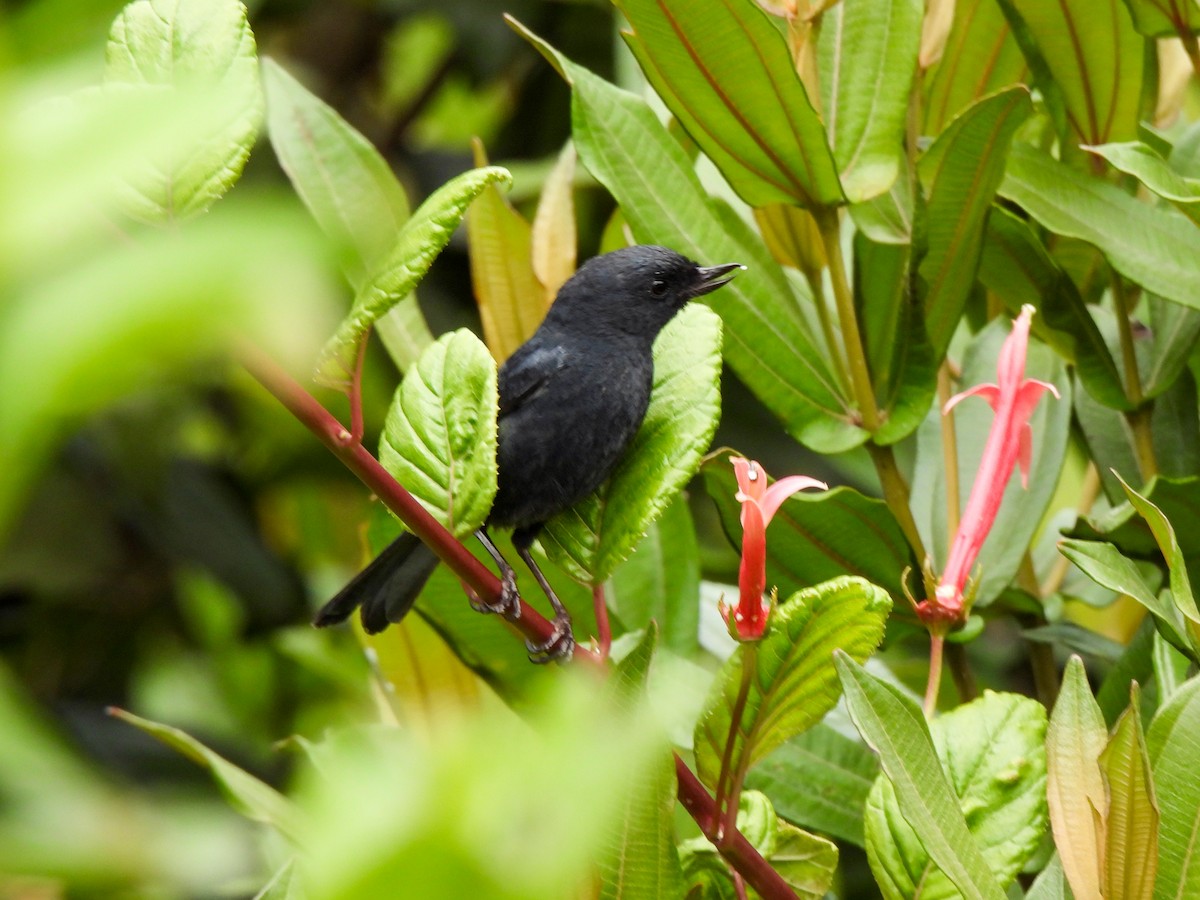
(386, 589)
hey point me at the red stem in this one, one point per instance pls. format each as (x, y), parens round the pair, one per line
(603, 629)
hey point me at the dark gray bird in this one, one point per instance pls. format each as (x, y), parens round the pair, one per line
(572, 398)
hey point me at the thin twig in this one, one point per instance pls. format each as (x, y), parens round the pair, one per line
(603, 628)
(937, 643)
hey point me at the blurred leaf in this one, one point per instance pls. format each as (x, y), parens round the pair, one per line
(806, 862)
(661, 581)
(1155, 247)
(511, 302)
(794, 683)
(817, 536)
(792, 236)
(252, 798)
(961, 172)
(1171, 742)
(1143, 163)
(1165, 18)
(1175, 330)
(591, 538)
(1074, 742)
(419, 242)
(439, 439)
(1017, 267)
(768, 341)
(819, 779)
(992, 752)
(867, 53)
(724, 70)
(416, 48)
(1131, 823)
(894, 728)
(1095, 59)
(554, 227)
(980, 58)
(1050, 884)
(181, 46)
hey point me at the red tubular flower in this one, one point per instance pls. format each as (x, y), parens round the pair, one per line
(1009, 443)
(748, 621)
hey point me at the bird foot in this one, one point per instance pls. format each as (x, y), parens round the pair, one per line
(509, 602)
(559, 647)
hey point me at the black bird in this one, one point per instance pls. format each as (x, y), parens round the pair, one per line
(572, 398)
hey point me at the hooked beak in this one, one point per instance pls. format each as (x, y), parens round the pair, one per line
(709, 278)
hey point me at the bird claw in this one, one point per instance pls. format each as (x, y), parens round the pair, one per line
(559, 647)
(509, 602)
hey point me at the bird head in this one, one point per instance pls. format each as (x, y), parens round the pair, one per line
(635, 290)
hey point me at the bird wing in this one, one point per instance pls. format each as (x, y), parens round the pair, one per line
(526, 372)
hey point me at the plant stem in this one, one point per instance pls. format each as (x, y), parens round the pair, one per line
(832, 345)
(726, 790)
(896, 494)
(603, 629)
(1088, 493)
(1138, 417)
(355, 393)
(937, 643)
(960, 672)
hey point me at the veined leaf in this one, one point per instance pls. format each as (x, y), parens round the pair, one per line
(418, 244)
(794, 682)
(439, 438)
(1157, 248)
(806, 862)
(1143, 163)
(725, 72)
(1131, 833)
(991, 750)
(1074, 741)
(595, 535)
(768, 341)
(554, 250)
(1165, 18)
(867, 53)
(894, 728)
(961, 171)
(1171, 743)
(198, 48)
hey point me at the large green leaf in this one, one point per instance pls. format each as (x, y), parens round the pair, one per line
(819, 779)
(1171, 742)
(1174, 330)
(768, 340)
(1143, 163)
(198, 48)
(591, 538)
(1165, 18)
(439, 438)
(794, 682)
(893, 727)
(1074, 741)
(992, 752)
(1131, 821)
(867, 56)
(1095, 58)
(1155, 247)
(806, 862)
(817, 536)
(418, 244)
(961, 172)
(724, 70)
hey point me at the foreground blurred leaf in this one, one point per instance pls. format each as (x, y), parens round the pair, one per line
(794, 682)
(1171, 743)
(894, 728)
(726, 73)
(439, 439)
(418, 244)
(591, 538)
(1131, 821)
(186, 45)
(992, 752)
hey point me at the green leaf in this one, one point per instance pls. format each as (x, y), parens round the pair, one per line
(1017, 267)
(1095, 59)
(724, 70)
(1171, 743)
(1165, 18)
(894, 728)
(817, 536)
(419, 242)
(1074, 742)
(819, 779)
(1170, 668)
(1143, 163)
(195, 48)
(980, 58)
(1051, 884)
(806, 862)
(962, 171)
(661, 580)
(992, 752)
(1175, 330)
(591, 538)
(867, 54)
(1131, 821)
(794, 682)
(769, 342)
(439, 438)
(252, 798)
(1155, 247)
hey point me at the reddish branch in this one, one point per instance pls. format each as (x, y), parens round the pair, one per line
(732, 845)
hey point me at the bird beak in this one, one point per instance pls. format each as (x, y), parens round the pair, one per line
(709, 278)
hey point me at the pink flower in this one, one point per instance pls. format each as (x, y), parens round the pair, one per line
(1009, 443)
(748, 621)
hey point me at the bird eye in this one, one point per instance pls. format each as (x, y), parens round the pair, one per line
(658, 288)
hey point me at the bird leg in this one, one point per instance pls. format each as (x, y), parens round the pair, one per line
(560, 646)
(509, 604)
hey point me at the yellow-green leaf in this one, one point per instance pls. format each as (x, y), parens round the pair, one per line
(1131, 836)
(554, 250)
